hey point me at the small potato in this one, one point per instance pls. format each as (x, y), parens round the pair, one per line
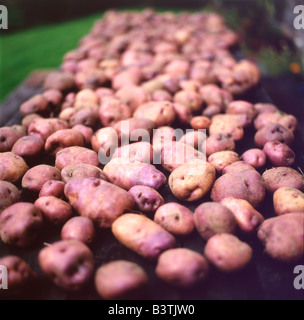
(276, 178)
(9, 194)
(138, 151)
(227, 253)
(19, 274)
(120, 280)
(105, 141)
(37, 176)
(248, 219)
(200, 122)
(12, 167)
(254, 157)
(28, 147)
(86, 116)
(182, 267)
(80, 229)
(279, 154)
(21, 224)
(273, 131)
(44, 127)
(81, 171)
(61, 81)
(54, 98)
(175, 218)
(53, 188)
(190, 99)
(192, 180)
(161, 113)
(36, 104)
(26, 121)
(87, 132)
(247, 185)
(219, 142)
(127, 174)
(222, 159)
(75, 155)
(98, 200)
(68, 263)
(142, 235)
(146, 199)
(286, 200)
(9, 136)
(237, 166)
(282, 237)
(242, 107)
(213, 95)
(211, 218)
(54, 210)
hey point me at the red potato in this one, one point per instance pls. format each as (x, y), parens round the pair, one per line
(54, 98)
(219, 142)
(282, 237)
(227, 253)
(242, 107)
(44, 127)
(76, 155)
(248, 218)
(37, 176)
(98, 200)
(86, 116)
(9, 135)
(200, 122)
(9, 194)
(68, 263)
(12, 167)
(142, 235)
(254, 157)
(80, 229)
(182, 267)
(222, 159)
(120, 280)
(237, 166)
(21, 225)
(146, 199)
(212, 218)
(28, 147)
(36, 104)
(86, 131)
(53, 188)
(279, 154)
(55, 210)
(175, 218)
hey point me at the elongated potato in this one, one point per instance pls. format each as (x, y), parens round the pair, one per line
(44, 127)
(98, 200)
(142, 235)
(279, 154)
(286, 200)
(182, 267)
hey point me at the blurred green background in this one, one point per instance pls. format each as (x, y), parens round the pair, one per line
(42, 31)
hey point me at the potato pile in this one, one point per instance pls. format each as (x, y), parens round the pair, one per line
(148, 102)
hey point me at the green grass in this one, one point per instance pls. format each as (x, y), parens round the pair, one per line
(38, 48)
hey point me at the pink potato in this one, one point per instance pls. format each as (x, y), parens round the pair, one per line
(55, 210)
(182, 267)
(53, 188)
(9, 135)
(237, 166)
(37, 176)
(175, 218)
(12, 167)
(242, 107)
(121, 280)
(21, 224)
(195, 138)
(9, 194)
(279, 154)
(183, 113)
(80, 229)
(142, 235)
(44, 127)
(190, 99)
(104, 141)
(86, 116)
(98, 200)
(61, 81)
(212, 218)
(222, 159)
(227, 252)
(28, 147)
(36, 104)
(146, 198)
(219, 142)
(160, 135)
(254, 157)
(86, 131)
(68, 263)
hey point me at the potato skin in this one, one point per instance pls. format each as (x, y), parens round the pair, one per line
(9, 135)
(278, 177)
(98, 200)
(279, 154)
(282, 237)
(182, 267)
(36, 104)
(44, 127)
(222, 159)
(68, 263)
(37, 176)
(211, 218)
(80, 229)
(175, 218)
(237, 166)
(219, 142)
(142, 235)
(104, 141)
(12, 167)
(20, 224)
(81, 170)
(286, 200)
(227, 252)
(55, 210)
(9, 194)
(254, 157)
(120, 280)
(192, 180)
(28, 147)
(53, 188)
(146, 199)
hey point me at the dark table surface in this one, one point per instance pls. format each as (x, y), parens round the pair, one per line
(264, 278)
